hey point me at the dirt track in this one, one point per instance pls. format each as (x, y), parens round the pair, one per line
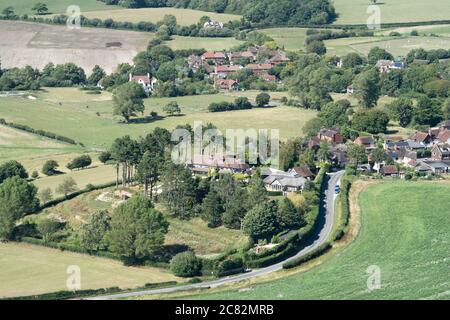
(24, 43)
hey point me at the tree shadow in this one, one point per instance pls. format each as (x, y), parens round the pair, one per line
(148, 119)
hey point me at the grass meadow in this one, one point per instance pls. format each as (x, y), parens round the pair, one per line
(93, 124)
(355, 11)
(30, 270)
(404, 232)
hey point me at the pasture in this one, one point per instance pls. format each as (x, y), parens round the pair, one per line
(29, 270)
(93, 124)
(184, 17)
(407, 240)
(209, 44)
(355, 11)
(25, 43)
(292, 39)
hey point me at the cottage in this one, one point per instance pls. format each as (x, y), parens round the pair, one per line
(440, 152)
(227, 84)
(233, 56)
(268, 77)
(203, 164)
(385, 66)
(367, 142)
(350, 89)
(212, 24)
(147, 82)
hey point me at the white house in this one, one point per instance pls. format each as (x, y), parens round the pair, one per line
(147, 82)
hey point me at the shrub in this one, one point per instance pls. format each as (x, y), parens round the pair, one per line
(185, 264)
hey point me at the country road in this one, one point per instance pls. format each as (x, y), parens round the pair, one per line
(323, 232)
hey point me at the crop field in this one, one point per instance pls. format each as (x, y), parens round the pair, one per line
(25, 43)
(398, 46)
(54, 6)
(355, 11)
(184, 16)
(93, 124)
(210, 44)
(407, 240)
(28, 270)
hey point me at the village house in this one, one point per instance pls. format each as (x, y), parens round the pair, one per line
(212, 24)
(423, 138)
(279, 58)
(227, 84)
(223, 71)
(367, 142)
(277, 180)
(259, 69)
(233, 56)
(268, 77)
(205, 164)
(216, 57)
(350, 89)
(440, 152)
(444, 136)
(302, 171)
(147, 82)
(330, 135)
(385, 66)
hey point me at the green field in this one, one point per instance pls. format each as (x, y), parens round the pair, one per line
(404, 232)
(184, 16)
(355, 11)
(28, 270)
(55, 6)
(292, 39)
(93, 124)
(398, 46)
(17, 144)
(210, 44)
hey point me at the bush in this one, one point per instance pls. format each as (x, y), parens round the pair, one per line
(309, 256)
(185, 264)
(230, 265)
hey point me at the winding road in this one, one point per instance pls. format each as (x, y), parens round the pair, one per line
(324, 229)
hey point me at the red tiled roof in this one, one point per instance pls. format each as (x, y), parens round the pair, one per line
(213, 55)
(391, 169)
(227, 68)
(444, 136)
(145, 79)
(261, 66)
(419, 136)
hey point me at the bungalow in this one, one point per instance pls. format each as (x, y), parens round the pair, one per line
(330, 135)
(216, 57)
(367, 142)
(421, 137)
(260, 68)
(227, 84)
(277, 180)
(389, 171)
(147, 82)
(440, 152)
(302, 171)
